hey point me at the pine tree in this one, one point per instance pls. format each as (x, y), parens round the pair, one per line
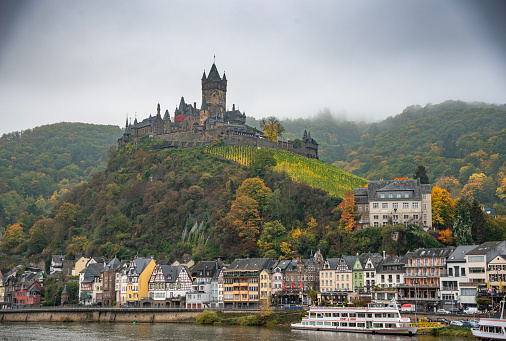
(422, 174)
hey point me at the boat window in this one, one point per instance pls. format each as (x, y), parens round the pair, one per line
(353, 314)
(377, 315)
(328, 315)
(361, 325)
(335, 315)
(378, 325)
(335, 324)
(344, 314)
(361, 315)
(311, 323)
(327, 323)
(369, 315)
(353, 324)
(319, 323)
(344, 324)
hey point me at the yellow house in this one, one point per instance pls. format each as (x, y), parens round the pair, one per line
(144, 279)
(496, 272)
(138, 276)
(80, 265)
(265, 287)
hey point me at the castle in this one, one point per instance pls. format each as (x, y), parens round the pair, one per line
(191, 126)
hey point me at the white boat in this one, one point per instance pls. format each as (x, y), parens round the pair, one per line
(491, 328)
(373, 320)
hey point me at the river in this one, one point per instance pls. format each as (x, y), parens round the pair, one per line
(179, 332)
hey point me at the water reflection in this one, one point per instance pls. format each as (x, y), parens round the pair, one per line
(180, 332)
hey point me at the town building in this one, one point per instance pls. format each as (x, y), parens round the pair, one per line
(477, 261)
(455, 289)
(423, 270)
(394, 202)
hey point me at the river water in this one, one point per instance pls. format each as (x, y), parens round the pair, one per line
(179, 332)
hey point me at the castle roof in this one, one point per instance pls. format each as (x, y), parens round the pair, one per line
(214, 76)
(204, 104)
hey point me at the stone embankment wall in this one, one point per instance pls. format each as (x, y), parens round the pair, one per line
(103, 315)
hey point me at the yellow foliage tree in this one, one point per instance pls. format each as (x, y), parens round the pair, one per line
(446, 236)
(12, 238)
(349, 215)
(443, 208)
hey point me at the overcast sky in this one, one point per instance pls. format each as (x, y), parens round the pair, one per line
(96, 61)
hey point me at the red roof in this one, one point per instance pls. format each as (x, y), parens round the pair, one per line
(179, 118)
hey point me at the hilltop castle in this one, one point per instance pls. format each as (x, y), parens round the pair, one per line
(191, 126)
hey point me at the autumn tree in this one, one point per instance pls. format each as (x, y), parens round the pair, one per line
(255, 188)
(443, 208)
(272, 128)
(446, 236)
(242, 227)
(422, 174)
(12, 239)
(349, 213)
(462, 225)
(273, 234)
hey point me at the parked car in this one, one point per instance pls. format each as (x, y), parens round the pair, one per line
(454, 310)
(456, 323)
(442, 320)
(442, 311)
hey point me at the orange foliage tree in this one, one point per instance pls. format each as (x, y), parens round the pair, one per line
(349, 215)
(446, 236)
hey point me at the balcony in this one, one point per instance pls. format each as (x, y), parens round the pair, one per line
(425, 274)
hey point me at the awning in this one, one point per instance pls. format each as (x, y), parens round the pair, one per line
(85, 295)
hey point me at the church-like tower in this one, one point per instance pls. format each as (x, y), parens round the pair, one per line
(214, 93)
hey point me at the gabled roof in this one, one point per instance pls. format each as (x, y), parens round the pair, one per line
(431, 253)
(113, 264)
(333, 262)
(350, 260)
(490, 249)
(140, 264)
(171, 272)
(93, 271)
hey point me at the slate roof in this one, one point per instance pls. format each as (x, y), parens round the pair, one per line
(93, 271)
(170, 272)
(333, 262)
(208, 268)
(140, 264)
(250, 264)
(350, 260)
(490, 249)
(459, 254)
(431, 253)
(391, 261)
(113, 264)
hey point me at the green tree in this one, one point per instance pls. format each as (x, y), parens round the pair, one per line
(479, 223)
(263, 159)
(462, 225)
(422, 174)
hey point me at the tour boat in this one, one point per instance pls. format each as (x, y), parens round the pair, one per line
(372, 319)
(491, 328)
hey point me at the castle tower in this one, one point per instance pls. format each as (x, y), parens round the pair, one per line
(214, 92)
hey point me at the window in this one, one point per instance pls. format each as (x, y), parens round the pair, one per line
(395, 205)
(376, 216)
(382, 195)
(406, 195)
(415, 216)
(425, 216)
(406, 217)
(390, 195)
(414, 204)
(366, 208)
(395, 217)
(405, 205)
(375, 205)
(360, 208)
(424, 206)
(476, 258)
(385, 216)
(384, 205)
(398, 195)
(376, 224)
(424, 196)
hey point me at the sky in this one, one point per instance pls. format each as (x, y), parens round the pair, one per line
(98, 61)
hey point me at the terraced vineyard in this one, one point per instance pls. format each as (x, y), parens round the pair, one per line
(315, 173)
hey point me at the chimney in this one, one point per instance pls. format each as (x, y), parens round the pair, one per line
(233, 107)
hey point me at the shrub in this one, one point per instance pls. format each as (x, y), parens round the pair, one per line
(206, 317)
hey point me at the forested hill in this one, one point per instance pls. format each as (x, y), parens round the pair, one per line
(37, 165)
(463, 151)
(462, 146)
(167, 202)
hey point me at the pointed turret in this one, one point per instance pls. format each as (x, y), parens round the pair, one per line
(204, 104)
(204, 76)
(182, 103)
(224, 77)
(304, 136)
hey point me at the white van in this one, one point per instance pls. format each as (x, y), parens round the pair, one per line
(471, 311)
